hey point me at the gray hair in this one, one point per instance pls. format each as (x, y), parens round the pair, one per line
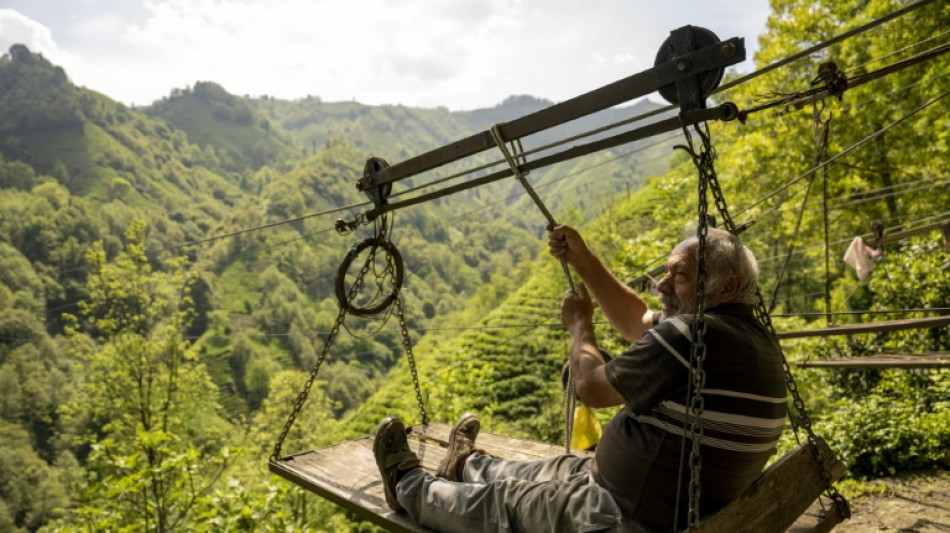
(726, 256)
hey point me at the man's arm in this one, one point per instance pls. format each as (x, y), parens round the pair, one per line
(622, 306)
(587, 364)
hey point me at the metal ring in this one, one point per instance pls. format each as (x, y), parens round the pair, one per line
(341, 294)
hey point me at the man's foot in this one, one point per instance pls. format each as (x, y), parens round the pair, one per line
(461, 445)
(393, 457)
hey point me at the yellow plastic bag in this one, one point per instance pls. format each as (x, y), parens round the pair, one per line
(587, 428)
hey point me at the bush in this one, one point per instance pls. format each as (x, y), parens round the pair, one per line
(880, 436)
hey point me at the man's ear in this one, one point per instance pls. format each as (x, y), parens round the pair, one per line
(729, 290)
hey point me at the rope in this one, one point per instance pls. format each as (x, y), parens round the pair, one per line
(569, 400)
(516, 170)
(821, 139)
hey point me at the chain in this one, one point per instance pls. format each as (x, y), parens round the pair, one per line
(704, 164)
(407, 344)
(302, 397)
(334, 331)
(762, 314)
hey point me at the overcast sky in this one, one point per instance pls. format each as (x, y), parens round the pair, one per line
(461, 54)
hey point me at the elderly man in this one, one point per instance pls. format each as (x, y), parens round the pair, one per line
(635, 479)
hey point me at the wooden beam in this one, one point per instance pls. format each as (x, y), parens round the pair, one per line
(869, 327)
(895, 360)
(901, 235)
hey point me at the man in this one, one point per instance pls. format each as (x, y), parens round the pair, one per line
(639, 472)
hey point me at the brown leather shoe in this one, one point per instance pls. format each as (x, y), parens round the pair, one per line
(393, 457)
(461, 445)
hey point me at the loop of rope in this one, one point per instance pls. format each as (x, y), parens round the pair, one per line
(394, 269)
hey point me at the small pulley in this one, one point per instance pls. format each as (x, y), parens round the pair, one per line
(378, 194)
(691, 92)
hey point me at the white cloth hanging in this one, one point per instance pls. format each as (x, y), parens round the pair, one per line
(862, 257)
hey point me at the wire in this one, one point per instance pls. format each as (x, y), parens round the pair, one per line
(909, 187)
(258, 228)
(572, 175)
(898, 51)
(825, 44)
(849, 239)
(536, 150)
(844, 152)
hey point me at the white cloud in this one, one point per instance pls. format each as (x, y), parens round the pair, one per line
(462, 55)
(16, 28)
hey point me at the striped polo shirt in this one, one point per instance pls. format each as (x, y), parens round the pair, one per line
(639, 455)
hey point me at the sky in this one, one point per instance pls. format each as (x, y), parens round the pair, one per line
(459, 54)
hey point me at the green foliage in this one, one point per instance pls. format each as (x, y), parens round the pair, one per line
(31, 491)
(888, 430)
(145, 407)
(35, 95)
(862, 406)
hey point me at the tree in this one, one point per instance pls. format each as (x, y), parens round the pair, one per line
(145, 407)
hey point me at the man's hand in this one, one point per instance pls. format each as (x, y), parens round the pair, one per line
(577, 311)
(565, 241)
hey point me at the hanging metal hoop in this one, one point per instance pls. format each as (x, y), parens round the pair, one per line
(393, 263)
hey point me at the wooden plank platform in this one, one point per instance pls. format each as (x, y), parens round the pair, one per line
(346, 475)
(885, 360)
(869, 327)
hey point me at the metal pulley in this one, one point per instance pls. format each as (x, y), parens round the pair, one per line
(690, 92)
(377, 193)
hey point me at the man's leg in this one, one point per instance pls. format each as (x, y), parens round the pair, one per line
(480, 468)
(509, 504)
(461, 453)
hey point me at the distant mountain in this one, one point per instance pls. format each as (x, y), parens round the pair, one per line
(105, 152)
(241, 136)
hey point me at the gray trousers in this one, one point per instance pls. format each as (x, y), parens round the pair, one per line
(555, 494)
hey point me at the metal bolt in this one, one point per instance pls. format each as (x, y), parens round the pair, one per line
(728, 50)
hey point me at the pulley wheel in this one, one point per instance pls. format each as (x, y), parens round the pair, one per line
(708, 80)
(377, 303)
(380, 194)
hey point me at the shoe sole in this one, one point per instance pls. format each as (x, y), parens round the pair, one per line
(377, 453)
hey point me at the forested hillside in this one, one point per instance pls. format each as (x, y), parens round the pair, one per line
(167, 273)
